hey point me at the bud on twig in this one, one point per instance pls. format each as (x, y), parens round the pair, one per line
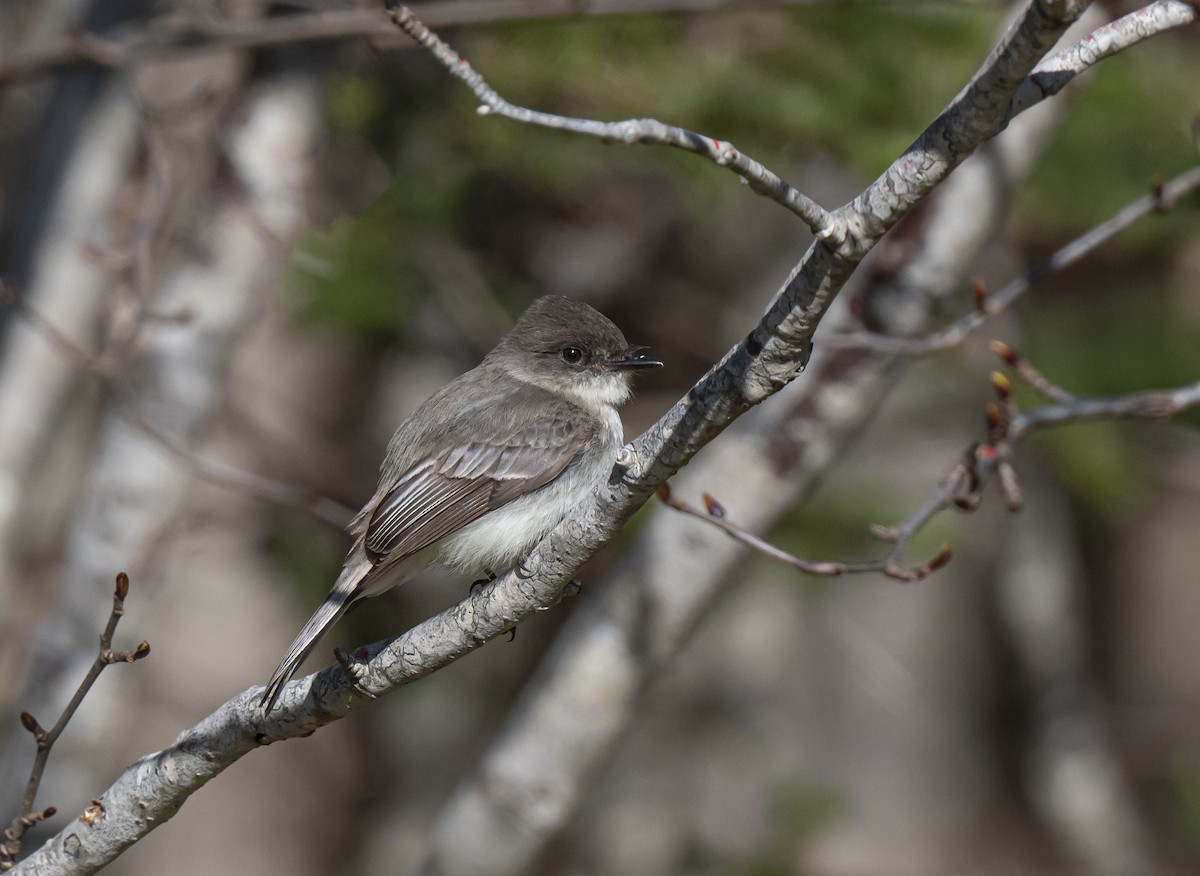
(979, 292)
(1002, 386)
(122, 590)
(1005, 352)
(30, 723)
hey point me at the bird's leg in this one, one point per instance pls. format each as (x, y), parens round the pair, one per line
(491, 576)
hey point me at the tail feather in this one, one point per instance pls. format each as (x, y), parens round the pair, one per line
(345, 593)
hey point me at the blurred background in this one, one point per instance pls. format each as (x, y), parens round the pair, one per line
(240, 259)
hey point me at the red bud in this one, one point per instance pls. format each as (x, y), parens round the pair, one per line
(714, 508)
(941, 559)
(979, 292)
(1005, 352)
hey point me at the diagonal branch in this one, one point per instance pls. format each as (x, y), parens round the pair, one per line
(1053, 74)
(212, 471)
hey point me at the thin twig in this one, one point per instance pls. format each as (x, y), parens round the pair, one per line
(1155, 404)
(1034, 378)
(720, 152)
(889, 566)
(1163, 198)
(962, 489)
(45, 739)
(231, 477)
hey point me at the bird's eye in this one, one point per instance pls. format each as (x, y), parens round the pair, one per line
(572, 355)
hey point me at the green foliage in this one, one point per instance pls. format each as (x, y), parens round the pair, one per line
(1132, 123)
(857, 80)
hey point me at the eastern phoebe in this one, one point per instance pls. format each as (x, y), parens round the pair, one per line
(490, 462)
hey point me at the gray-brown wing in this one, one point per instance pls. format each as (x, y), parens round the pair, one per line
(526, 450)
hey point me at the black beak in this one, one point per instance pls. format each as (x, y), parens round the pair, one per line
(634, 358)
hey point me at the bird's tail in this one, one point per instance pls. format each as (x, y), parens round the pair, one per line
(345, 593)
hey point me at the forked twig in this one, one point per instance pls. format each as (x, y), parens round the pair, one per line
(962, 489)
(45, 739)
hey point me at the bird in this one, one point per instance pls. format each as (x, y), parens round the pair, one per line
(490, 463)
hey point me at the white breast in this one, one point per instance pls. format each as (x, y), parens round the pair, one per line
(496, 540)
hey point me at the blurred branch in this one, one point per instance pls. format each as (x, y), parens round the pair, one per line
(720, 152)
(1164, 198)
(45, 739)
(210, 470)
(1071, 764)
(176, 35)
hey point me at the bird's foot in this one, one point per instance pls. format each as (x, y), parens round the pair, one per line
(355, 668)
(483, 582)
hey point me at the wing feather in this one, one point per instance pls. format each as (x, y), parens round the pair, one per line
(531, 446)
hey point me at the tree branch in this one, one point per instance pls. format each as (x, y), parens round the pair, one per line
(897, 536)
(173, 36)
(45, 739)
(1052, 74)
